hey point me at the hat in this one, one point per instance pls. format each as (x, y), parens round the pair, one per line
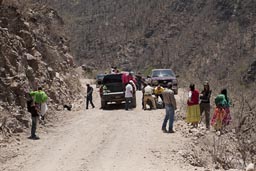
(206, 83)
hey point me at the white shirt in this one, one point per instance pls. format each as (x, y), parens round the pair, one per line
(128, 90)
(148, 90)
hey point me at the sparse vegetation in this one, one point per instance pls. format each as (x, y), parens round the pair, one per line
(200, 40)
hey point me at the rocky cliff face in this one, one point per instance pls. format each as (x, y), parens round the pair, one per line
(204, 39)
(33, 52)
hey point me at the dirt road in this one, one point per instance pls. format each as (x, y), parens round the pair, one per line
(104, 140)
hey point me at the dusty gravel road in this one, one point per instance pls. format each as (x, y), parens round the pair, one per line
(104, 140)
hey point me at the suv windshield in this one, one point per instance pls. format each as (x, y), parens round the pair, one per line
(163, 73)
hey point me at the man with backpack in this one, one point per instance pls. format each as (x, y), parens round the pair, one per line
(40, 99)
(32, 108)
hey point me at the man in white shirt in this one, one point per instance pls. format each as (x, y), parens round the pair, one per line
(128, 95)
(147, 95)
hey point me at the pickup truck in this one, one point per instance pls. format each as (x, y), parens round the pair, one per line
(163, 77)
(112, 91)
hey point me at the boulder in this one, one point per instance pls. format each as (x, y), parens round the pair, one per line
(32, 61)
(28, 39)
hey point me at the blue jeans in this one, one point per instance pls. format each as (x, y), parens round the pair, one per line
(168, 116)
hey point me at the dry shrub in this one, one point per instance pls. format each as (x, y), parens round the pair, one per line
(245, 119)
(236, 148)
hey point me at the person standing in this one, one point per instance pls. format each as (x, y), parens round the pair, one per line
(193, 110)
(31, 107)
(89, 96)
(170, 107)
(128, 95)
(227, 117)
(205, 103)
(219, 112)
(40, 98)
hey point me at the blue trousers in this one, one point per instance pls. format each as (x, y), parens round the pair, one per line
(168, 116)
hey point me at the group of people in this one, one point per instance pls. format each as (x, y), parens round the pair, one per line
(151, 97)
(199, 104)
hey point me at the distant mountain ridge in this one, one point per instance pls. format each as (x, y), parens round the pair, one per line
(191, 35)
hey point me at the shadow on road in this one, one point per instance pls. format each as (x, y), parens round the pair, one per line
(114, 107)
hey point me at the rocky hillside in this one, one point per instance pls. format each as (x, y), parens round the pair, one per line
(201, 40)
(33, 52)
(195, 36)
